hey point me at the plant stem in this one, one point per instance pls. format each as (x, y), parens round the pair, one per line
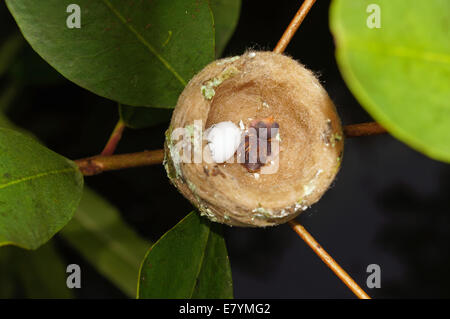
(293, 26)
(98, 164)
(107, 162)
(355, 130)
(328, 260)
(102, 163)
(114, 139)
(363, 129)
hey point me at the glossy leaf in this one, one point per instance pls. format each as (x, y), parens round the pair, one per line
(99, 234)
(226, 16)
(400, 72)
(39, 191)
(189, 261)
(39, 274)
(139, 53)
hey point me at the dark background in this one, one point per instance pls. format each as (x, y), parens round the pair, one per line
(388, 206)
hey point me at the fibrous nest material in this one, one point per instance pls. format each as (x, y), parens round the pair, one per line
(244, 90)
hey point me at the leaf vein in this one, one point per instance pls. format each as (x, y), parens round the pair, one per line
(40, 175)
(145, 42)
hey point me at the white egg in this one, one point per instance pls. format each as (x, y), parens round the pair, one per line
(224, 139)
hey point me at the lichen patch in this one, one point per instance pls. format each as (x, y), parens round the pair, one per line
(208, 89)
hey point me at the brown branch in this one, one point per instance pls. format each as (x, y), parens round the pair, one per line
(98, 164)
(328, 260)
(355, 130)
(114, 139)
(293, 26)
(363, 129)
(107, 162)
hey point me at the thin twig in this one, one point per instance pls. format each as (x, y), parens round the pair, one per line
(363, 129)
(293, 26)
(328, 260)
(114, 139)
(107, 162)
(98, 164)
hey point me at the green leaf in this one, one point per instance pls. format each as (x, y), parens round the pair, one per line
(139, 53)
(140, 117)
(226, 16)
(39, 191)
(400, 73)
(100, 235)
(39, 274)
(189, 261)
(5, 122)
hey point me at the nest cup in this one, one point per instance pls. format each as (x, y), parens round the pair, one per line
(244, 89)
